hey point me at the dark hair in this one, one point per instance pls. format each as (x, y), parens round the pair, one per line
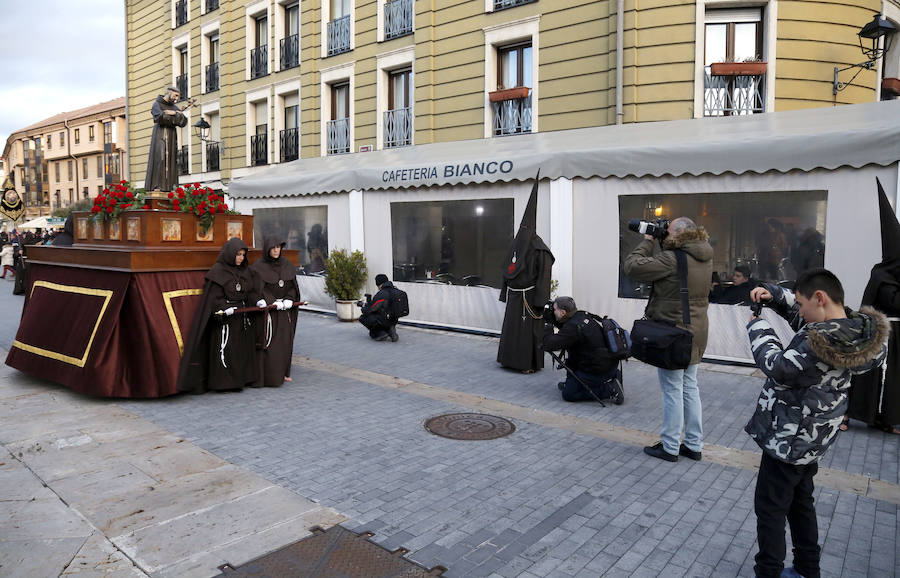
(567, 304)
(743, 270)
(823, 280)
(380, 279)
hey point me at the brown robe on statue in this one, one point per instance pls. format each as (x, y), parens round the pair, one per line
(162, 166)
(220, 351)
(525, 289)
(275, 329)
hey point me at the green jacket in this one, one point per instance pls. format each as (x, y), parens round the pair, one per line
(650, 265)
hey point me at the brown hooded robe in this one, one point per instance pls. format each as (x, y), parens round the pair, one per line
(162, 168)
(275, 329)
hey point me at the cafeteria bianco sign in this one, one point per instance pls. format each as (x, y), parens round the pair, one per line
(449, 171)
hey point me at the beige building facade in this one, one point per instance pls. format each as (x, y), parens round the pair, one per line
(68, 157)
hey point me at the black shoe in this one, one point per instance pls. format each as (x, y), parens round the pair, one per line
(392, 332)
(618, 395)
(689, 453)
(382, 337)
(657, 451)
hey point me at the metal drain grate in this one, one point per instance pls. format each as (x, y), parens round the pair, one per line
(333, 553)
(470, 426)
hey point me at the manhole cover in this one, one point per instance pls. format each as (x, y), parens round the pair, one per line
(470, 426)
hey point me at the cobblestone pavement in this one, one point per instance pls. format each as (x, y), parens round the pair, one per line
(545, 501)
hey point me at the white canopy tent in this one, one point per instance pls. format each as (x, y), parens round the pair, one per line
(42, 223)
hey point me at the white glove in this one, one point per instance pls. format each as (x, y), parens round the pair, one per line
(230, 310)
(288, 304)
(261, 303)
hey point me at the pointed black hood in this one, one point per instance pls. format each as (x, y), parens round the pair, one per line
(527, 237)
(890, 228)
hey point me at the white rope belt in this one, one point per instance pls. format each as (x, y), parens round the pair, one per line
(526, 307)
(225, 333)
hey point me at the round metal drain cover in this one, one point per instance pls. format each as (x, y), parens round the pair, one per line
(470, 426)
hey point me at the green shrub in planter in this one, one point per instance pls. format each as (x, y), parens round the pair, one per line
(345, 274)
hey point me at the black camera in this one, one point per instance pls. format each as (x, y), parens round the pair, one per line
(658, 229)
(548, 315)
(756, 308)
(362, 303)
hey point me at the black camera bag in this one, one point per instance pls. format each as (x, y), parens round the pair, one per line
(662, 343)
(399, 303)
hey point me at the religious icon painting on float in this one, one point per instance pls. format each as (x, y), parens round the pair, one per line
(98, 229)
(171, 229)
(81, 227)
(204, 236)
(235, 229)
(133, 229)
(115, 230)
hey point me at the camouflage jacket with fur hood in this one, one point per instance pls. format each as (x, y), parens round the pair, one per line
(805, 395)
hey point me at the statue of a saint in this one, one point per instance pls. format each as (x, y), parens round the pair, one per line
(162, 169)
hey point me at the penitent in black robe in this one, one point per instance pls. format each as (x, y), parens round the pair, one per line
(162, 168)
(220, 351)
(875, 395)
(525, 289)
(275, 329)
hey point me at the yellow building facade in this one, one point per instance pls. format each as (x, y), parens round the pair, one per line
(278, 80)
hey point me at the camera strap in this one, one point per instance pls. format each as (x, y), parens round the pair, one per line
(681, 260)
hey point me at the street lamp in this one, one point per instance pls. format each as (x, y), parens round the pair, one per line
(876, 30)
(201, 129)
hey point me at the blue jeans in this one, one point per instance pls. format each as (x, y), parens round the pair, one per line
(681, 407)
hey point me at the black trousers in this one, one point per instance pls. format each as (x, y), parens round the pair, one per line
(784, 491)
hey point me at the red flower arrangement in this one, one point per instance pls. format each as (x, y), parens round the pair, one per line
(201, 201)
(115, 199)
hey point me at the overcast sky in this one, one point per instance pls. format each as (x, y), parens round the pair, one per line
(58, 56)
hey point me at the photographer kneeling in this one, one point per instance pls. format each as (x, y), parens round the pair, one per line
(376, 312)
(588, 356)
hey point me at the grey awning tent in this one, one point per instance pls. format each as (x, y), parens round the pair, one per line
(849, 135)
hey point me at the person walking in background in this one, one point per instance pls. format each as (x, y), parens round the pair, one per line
(6, 260)
(682, 410)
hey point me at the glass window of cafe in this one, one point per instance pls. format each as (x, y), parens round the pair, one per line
(302, 228)
(775, 236)
(451, 242)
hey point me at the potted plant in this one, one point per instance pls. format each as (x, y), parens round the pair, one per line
(345, 276)
(746, 68)
(509, 93)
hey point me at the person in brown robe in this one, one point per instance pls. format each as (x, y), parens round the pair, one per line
(276, 327)
(525, 290)
(220, 351)
(162, 168)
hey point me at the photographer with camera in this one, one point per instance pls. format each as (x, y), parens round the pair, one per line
(376, 312)
(646, 263)
(801, 405)
(588, 360)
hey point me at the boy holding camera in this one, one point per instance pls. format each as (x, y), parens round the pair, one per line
(801, 405)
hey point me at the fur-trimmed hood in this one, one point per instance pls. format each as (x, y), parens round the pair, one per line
(852, 342)
(695, 242)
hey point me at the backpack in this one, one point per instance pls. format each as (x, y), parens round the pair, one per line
(399, 303)
(618, 339)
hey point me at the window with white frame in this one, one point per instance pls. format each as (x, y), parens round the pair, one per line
(289, 136)
(212, 147)
(289, 44)
(181, 65)
(211, 67)
(336, 96)
(511, 79)
(257, 32)
(338, 27)
(734, 71)
(259, 132)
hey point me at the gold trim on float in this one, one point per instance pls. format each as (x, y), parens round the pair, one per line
(105, 293)
(167, 298)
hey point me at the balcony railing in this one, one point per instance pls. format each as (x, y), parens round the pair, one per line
(259, 61)
(181, 13)
(734, 95)
(338, 136)
(290, 144)
(290, 51)
(259, 149)
(398, 18)
(181, 83)
(501, 4)
(212, 5)
(512, 116)
(398, 127)
(212, 77)
(212, 156)
(339, 35)
(183, 161)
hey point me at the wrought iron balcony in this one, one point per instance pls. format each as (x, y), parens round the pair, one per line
(212, 5)
(512, 116)
(339, 35)
(290, 144)
(290, 51)
(183, 161)
(259, 149)
(501, 4)
(734, 95)
(212, 77)
(212, 156)
(181, 83)
(398, 126)
(398, 18)
(181, 15)
(338, 141)
(259, 61)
